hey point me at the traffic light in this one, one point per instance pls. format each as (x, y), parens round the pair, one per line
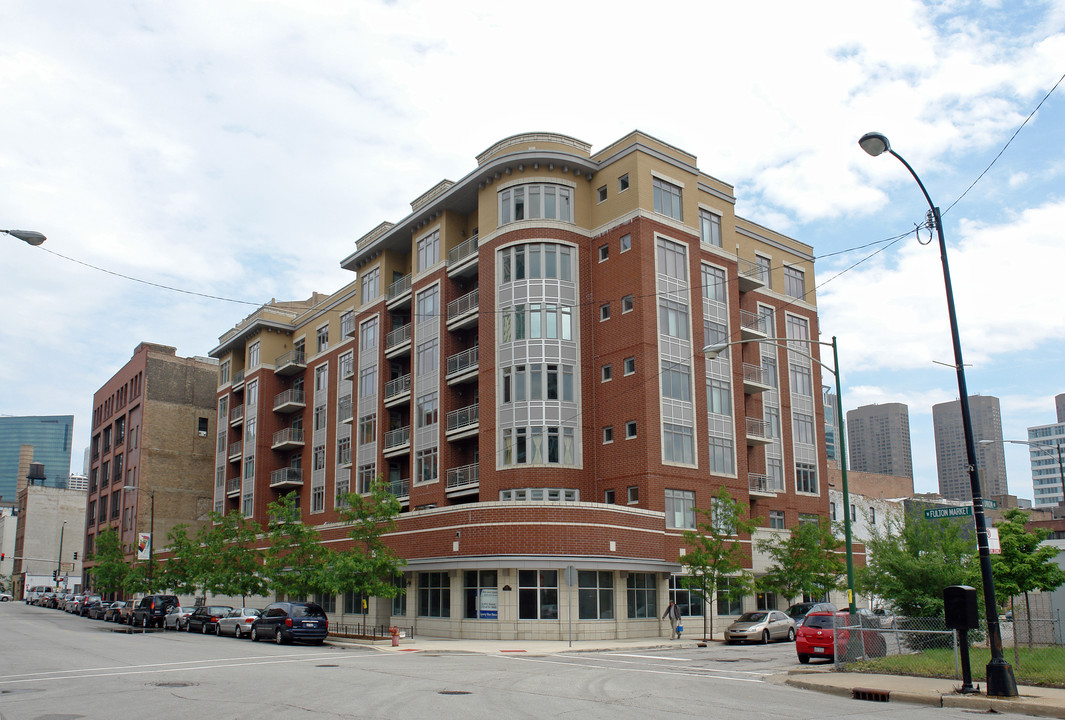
(75, 554)
(55, 574)
(2, 556)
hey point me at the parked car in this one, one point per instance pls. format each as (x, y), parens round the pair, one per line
(175, 617)
(237, 623)
(284, 622)
(817, 636)
(35, 592)
(6, 597)
(90, 603)
(45, 599)
(111, 612)
(203, 618)
(798, 611)
(761, 626)
(124, 616)
(151, 610)
(73, 604)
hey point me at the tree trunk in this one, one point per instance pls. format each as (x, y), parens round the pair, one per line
(1027, 619)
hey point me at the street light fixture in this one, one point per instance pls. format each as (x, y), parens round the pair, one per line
(30, 236)
(712, 351)
(151, 534)
(1040, 448)
(1000, 679)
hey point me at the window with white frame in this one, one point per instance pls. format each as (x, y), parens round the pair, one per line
(321, 378)
(805, 478)
(607, 372)
(719, 396)
(427, 357)
(602, 194)
(625, 242)
(223, 373)
(678, 444)
(604, 252)
(803, 427)
(538, 594)
(428, 409)
(794, 282)
(604, 312)
(627, 304)
(630, 365)
(776, 519)
(367, 430)
(368, 381)
(608, 434)
(721, 517)
(319, 457)
(427, 305)
(715, 283)
(365, 477)
(371, 284)
(673, 319)
(672, 259)
(642, 595)
(729, 601)
(434, 594)
(722, 459)
(633, 494)
(595, 595)
(539, 445)
(533, 261)
(347, 323)
(535, 201)
(802, 379)
(667, 198)
(709, 228)
(253, 355)
(368, 334)
(429, 250)
(630, 429)
(319, 418)
(676, 381)
(425, 464)
(690, 602)
(798, 328)
(832, 511)
(623, 183)
(346, 364)
(681, 508)
(764, 267)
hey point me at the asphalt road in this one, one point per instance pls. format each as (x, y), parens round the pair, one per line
(55, 666)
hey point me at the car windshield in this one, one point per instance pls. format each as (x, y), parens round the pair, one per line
(307, 611)
(752, 617)
(818, 621)
(218, 610)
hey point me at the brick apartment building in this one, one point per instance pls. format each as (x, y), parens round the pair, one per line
(521, 358)
(153, 428)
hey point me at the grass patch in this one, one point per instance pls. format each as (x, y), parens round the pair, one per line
(1038, 666)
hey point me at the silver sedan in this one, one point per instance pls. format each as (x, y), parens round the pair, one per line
(237, 623)
(761, 626)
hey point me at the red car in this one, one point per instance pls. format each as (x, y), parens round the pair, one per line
(816, 637)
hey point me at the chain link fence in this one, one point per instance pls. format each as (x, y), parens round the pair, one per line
(924, 647)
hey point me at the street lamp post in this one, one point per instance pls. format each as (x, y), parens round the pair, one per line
(1042, 449)
(29, 236)
(1000, 679)
(713, 350)
(151, 535)
(59, 562)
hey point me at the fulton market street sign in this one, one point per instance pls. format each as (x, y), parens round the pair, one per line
(948, 512)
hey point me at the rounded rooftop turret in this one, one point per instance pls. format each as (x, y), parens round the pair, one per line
(525, 142)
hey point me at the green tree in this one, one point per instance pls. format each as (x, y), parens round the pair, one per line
(1025, 564)
(807, 561)
(111, 572)
(911, 559)
(369, 567)
(296, 562)
(714, 552)
(189, 565)
(239, 566)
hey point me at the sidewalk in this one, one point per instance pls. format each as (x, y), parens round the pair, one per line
(1035, 701)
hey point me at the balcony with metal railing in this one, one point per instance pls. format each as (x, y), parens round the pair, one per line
(397, 342)
(236, 415)
(292, 362)
(398, 293)
(288, 439)
(289, 401)
(758, 432)
(235, 451)
(233, 487)
(463, 422)
(759, 484)
(463, 480)
(286, 478)
(750, 276)
(397, 441)
(397, 391)
(238, 381)
(463, 312)
(344, 457)
(400, 488)
(344, 410)
(463, 258)
(462, 367)
(756, 379)
(753, 326)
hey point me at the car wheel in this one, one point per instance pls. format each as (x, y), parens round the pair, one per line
(188, 626)
(203, 628)
(218, 630)
(278, 638)
(254, 635)
(765, 637)
(236, 632)
(804, 658)
(144, 622)
(791, 634)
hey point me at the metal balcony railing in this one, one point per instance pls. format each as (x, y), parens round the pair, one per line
(288, 435)
(460, 362)
(756, 482)
(462, 305)
(755, 373)
(753, 322)
(463, 417)
(398, 288)
(344, 409)
(237, 413)
(397, 337)
(462, 251)
(233, 485)
(286, 476)
(461, 477)
(757, 427)
(292, 357)
(397, 387)
(290, 397)
(397, 437)
(236, 448)
(400, 488)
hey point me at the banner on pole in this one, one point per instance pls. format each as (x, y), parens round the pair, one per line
(144, 546)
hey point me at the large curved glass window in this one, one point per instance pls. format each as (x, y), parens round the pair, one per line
(534, 202)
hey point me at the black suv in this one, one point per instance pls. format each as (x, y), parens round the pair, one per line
(151, 610)
(284, 622)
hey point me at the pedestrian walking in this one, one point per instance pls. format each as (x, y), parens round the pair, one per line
(673, 613)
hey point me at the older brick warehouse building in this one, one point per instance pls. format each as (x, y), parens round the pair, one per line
(522, 359)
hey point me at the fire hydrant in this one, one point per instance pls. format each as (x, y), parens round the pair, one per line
(395, 635)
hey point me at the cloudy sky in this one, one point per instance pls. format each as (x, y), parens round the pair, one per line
(238, 149)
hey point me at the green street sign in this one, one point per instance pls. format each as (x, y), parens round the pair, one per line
(948, 512)
(990, 504)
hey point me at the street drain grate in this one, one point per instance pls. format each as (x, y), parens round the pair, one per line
(454, 692)
(173, 684)
(871, 695)
(327, 666)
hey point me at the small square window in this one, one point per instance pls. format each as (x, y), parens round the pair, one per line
(608, 373)
(608, 497)
(608, 434)
(626, 242)
(604, 312)
(623, 183)
(634, 494)
(602, 193)
(630, 429)
(604, 252)
(630, 365)
(627, 304)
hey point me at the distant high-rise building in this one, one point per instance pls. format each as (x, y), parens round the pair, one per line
(831, 426)
(41, 439)
(1047, 444)
(879, 439)
(951, 458)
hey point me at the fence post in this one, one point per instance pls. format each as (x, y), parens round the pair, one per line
(957, 670)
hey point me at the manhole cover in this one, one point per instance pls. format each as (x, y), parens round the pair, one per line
(453, 692)
(173, 684)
